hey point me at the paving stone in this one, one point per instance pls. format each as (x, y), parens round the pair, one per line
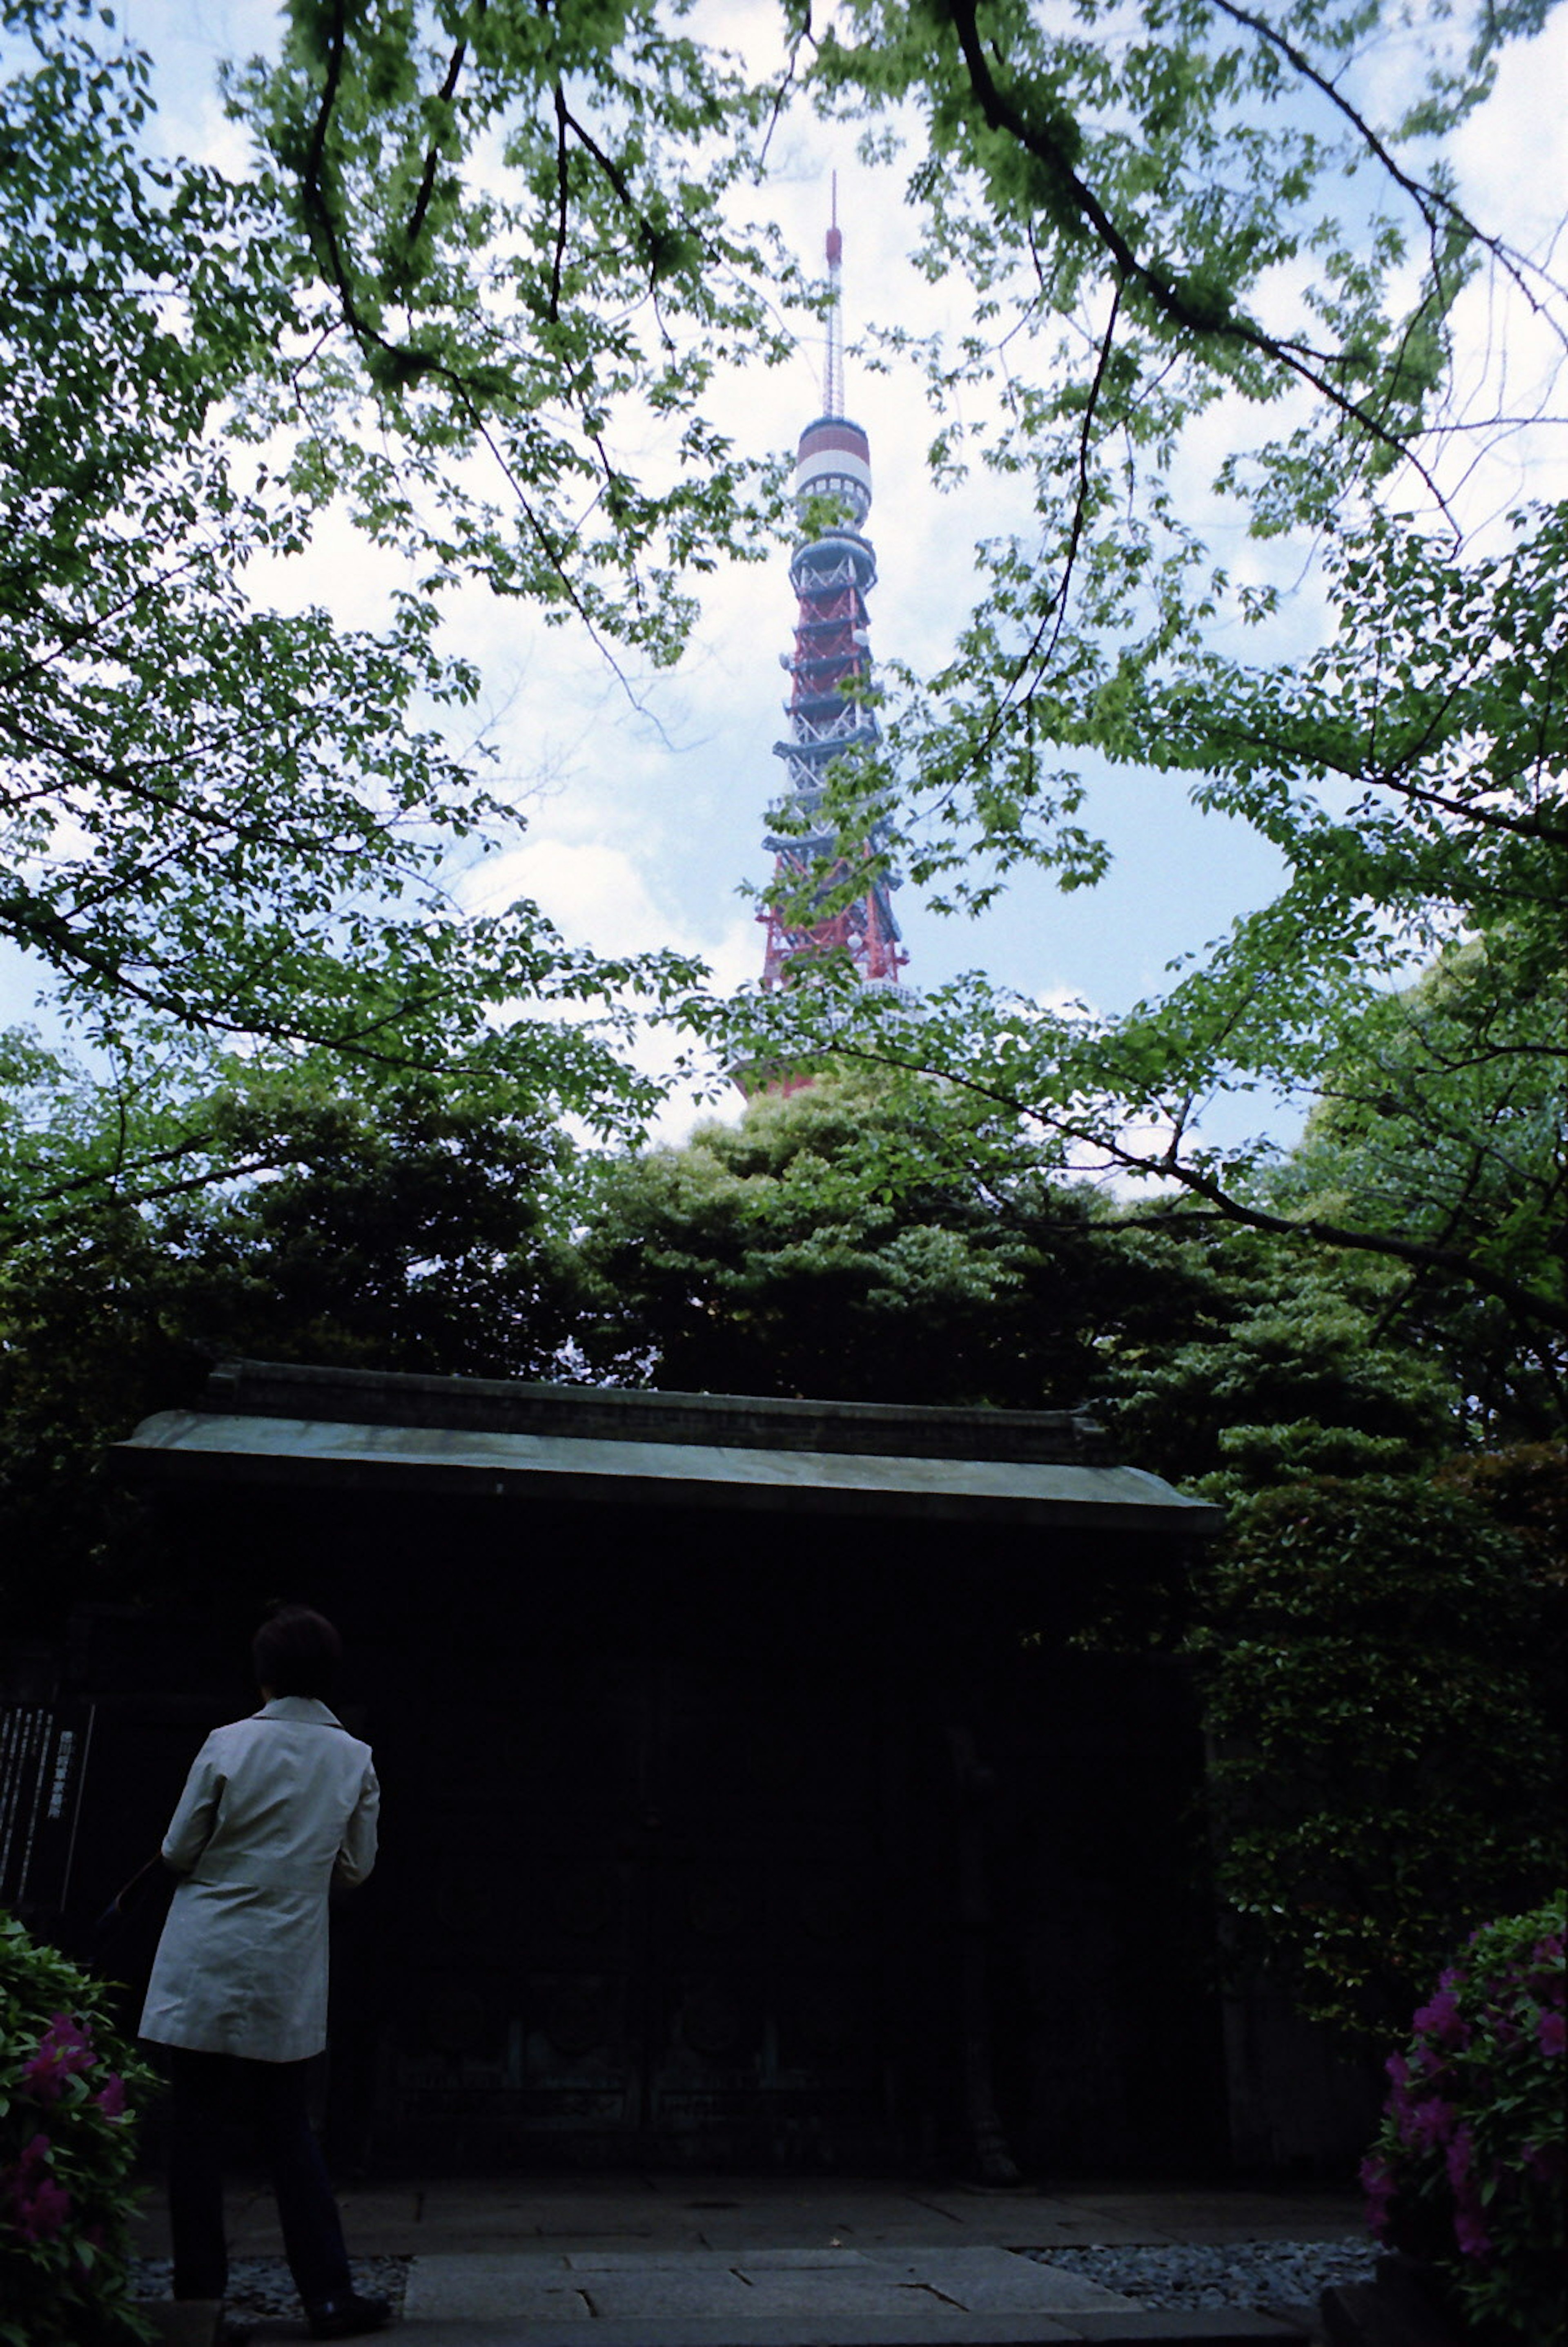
(830, 2261)
(959, 2257)
(913, 2231)
(651, 2294)
(630, 2210)
(726, 2260)
(821, 2292)
(620, 2261)
(592, 2237)
(943, 2328)
(450, 2242)
(825, 2297)
(793, 2224)
(1017, 2221)
(991, 2280)
(502, 2288)
(183, 2322)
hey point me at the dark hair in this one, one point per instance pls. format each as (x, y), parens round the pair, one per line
(296, 1652)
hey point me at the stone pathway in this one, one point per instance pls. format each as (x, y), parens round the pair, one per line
(688, 2262)
(736, 2291)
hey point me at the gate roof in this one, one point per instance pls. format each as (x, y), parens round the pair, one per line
(263, 1421)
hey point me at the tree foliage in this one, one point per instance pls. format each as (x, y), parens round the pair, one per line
(511, 246)
(408, 1232)
(1266, 1371)
(1166, 215)
(1384, 1677)
(1440, 1121)
(1186, 230)
(846, 1242)
(227, 814)
(473, 289)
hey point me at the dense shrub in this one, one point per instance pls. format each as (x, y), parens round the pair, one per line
(1381, 1664)
(1468, 2170)
(68, 2087)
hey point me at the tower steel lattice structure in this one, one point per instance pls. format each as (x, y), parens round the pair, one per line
(811, 911)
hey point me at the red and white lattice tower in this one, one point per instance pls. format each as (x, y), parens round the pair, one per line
(829, 712)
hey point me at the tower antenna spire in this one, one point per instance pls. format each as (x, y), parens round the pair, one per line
(833, 377)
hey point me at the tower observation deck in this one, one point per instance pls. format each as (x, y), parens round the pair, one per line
(809, 917)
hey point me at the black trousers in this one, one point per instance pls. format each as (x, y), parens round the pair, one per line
(210, 2092)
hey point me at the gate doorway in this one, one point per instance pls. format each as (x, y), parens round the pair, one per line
(653, 1921)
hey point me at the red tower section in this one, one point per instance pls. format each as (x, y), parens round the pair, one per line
(809, 915)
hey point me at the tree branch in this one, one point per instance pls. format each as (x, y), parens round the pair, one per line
(1002, 113)
(558, 258)
(1420, 194)
(444, 96)
(1531, 1304)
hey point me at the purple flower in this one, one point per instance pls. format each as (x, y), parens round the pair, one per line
(1378, 2183)
(1548, 2030)
(39, 2206)
(111, 2097)
(65, 2050)
(1443, 2018)
(1426, 2126)
(39, 2214)
(1470, 2232)
(1458, 2158)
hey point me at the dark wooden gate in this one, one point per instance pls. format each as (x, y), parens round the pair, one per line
(735, 1835)
(654, 1923)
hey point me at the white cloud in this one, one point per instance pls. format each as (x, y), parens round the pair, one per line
(599, 895)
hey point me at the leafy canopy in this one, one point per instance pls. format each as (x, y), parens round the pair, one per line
(1409, 773)
(473, 291)
(1217, 267)
(226, 819)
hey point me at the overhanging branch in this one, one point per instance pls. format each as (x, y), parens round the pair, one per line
(1533, 1306)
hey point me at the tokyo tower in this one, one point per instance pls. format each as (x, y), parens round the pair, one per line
(810, 917)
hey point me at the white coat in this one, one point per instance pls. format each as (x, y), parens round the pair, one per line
(276, 1808)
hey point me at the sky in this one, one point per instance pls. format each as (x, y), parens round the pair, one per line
(645, 822)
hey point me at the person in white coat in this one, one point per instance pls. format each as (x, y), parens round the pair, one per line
(276, 1809)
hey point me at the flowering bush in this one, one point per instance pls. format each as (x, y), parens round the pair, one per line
(67, 2084)
(1467, 2168)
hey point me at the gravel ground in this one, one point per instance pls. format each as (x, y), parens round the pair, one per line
(260, 2287)
(1249, 2274)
